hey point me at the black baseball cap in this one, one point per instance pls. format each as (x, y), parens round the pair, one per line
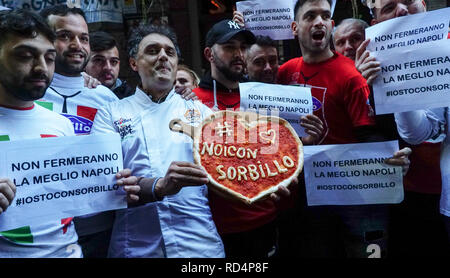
(226, 29)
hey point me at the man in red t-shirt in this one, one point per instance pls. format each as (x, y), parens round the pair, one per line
(340, 97)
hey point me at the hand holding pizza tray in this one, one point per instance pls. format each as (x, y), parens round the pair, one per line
(247, 156)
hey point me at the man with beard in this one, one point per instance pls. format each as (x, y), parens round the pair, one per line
(104, 63)
(341, 97)
(262, 60)
(27, 63)
(68, 95)
(417, 218)
(245, 231)
(226, 43)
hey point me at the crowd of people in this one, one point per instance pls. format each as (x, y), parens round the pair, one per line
(53, 69)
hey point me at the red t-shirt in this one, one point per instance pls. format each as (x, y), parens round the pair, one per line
(234, 217)
(424, 174)
(225, 99)
(340, 95)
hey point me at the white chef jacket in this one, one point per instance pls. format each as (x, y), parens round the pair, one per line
(418, 126)
(180, 225)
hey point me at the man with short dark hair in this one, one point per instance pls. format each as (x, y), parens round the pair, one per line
(27, 63)
(170, 215)
(68, 96)
(262, 60)
(340, 95)
(226, 44)
(104, 63)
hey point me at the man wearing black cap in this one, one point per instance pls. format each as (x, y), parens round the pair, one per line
(246, 231)
(226, 44)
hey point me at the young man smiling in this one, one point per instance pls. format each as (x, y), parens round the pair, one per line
(68, 95)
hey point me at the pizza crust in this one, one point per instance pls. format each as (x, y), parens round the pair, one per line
(225, 191)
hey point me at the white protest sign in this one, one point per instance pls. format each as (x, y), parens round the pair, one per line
(408, 30)
(61, 177)
(271, 18)
(413, 78)
(352, 174)
(95, 10)
(291, 102)
(34, 5)
(103, 11)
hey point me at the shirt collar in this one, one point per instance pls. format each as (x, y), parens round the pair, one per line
(68, 82)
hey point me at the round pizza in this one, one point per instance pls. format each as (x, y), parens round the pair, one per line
(247, 156)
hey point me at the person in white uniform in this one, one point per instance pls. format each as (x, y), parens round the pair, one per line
(68, 95)
(27, 63)
(419, 126)
(172, 217)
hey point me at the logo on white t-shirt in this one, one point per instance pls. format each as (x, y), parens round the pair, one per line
(123, 127)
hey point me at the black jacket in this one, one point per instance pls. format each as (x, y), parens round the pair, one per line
(123, 90)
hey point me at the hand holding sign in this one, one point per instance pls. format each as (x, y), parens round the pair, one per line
(313, 128)
(354, 174)
(400, 158)
(7, 193)
(129, 184)
(367, 65)
(238, 17)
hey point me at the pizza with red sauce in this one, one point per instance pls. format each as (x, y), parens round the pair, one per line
(248, 156)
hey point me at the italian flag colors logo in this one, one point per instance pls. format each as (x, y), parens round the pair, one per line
(19, 235)
(82, 122)
(23, 234)
(4, 138)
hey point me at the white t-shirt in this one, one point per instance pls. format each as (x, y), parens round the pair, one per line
(54, 239)
(69, 96)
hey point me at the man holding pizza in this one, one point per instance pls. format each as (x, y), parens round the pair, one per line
(246, 231)
(168, 214)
